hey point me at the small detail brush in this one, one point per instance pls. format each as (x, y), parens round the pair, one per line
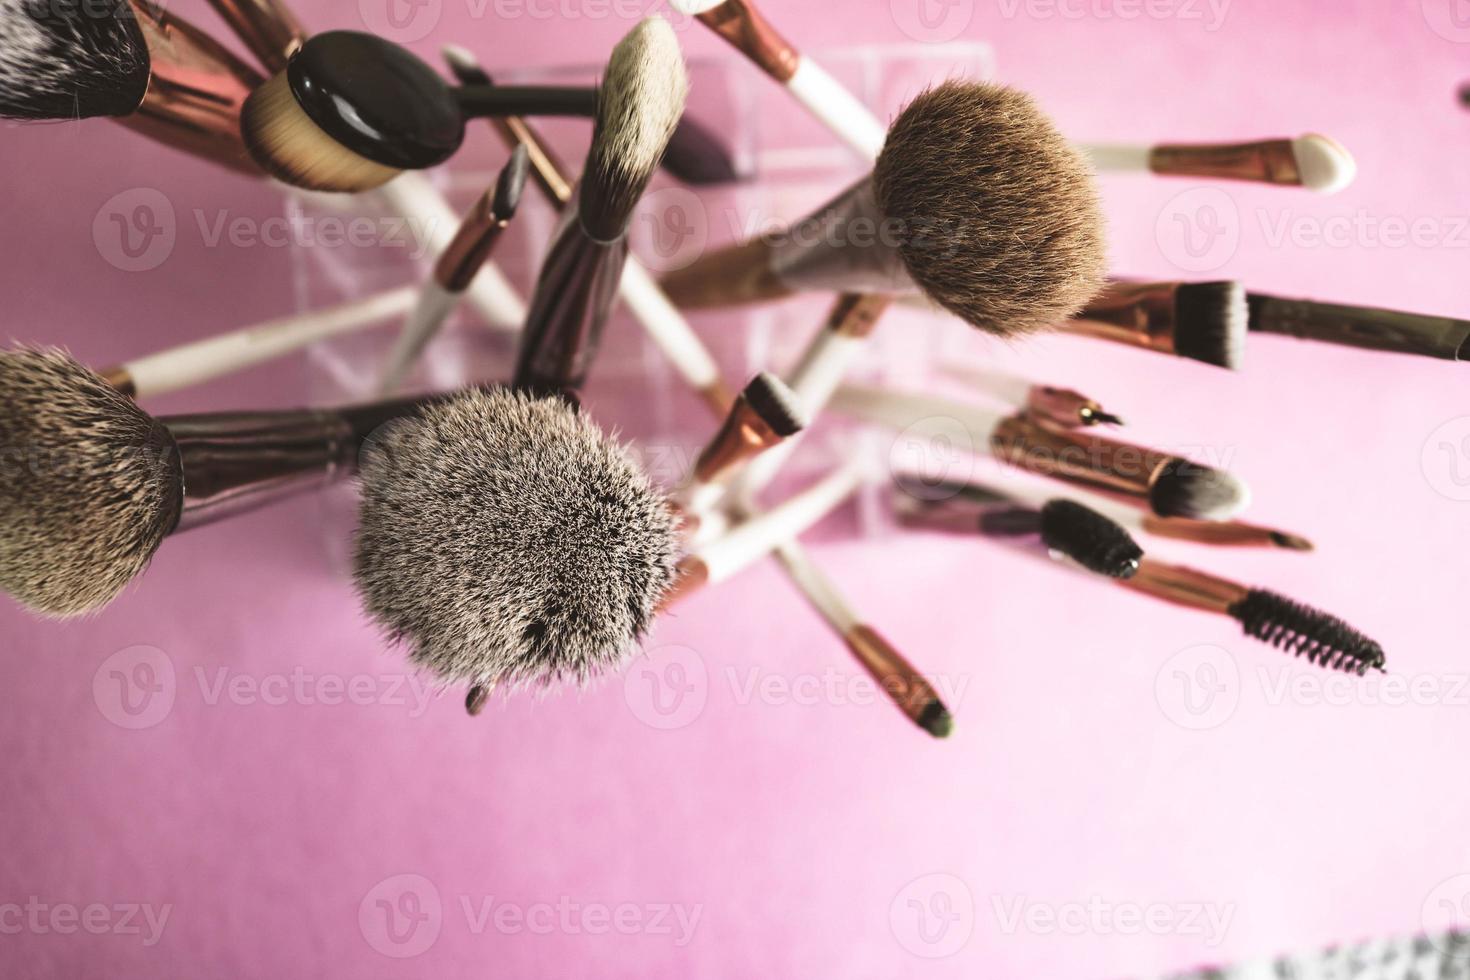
(764, 415)
(1361, 326)
(456, 268)
(1202, 321)
(1061, 407)
(1313, 161)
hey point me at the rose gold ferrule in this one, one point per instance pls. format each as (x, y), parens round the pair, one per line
(1140, 314)
(1227, 534)
(740, 23)
(1065, 407)
(546, 169)
(743, 436)
(1265, 161)
(195, 91)
(895, 675)
(731, 276)
(266, 27)
(471, 245)
(1185, 586)
(1079, 457)
(691, 575)
(120, 379)
(856, 315)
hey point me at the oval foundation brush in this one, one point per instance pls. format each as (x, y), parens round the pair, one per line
(1316, 162)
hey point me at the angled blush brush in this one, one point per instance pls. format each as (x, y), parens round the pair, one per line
(664, 324)
(1316, 162)
(1201, 321)
(1367, 327)
(455, 271)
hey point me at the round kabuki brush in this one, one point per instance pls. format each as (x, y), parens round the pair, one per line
(976, 200)
(150, 70)
(1316, 162)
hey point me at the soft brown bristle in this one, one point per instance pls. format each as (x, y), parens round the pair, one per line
(89, 484)
(1000, 216)
(287, 144)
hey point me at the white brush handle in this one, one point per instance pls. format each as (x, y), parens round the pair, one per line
(703, 498)
(760, 535)
(837, 108)
(191, 364)
(900, 410)
(413, 195)
(667, 327)
(434, 305)
(819, 590)
(1001, 385)
(1117, 157)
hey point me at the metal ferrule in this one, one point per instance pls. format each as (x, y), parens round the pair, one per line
(691, 575)
(1227, 534)
(266, 27)
(740, 23)
(856, 315)
(120, 379)
(195, 91)
(847, 246)
(1065, 407)
(1361, 326)
(743, 436)
(1265, 161)
(894, 674)
(1185, 586)
(546, 170)
(472, 244)
(1075, 456)
(1140, 314)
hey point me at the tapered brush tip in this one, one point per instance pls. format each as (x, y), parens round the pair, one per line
(1325, 165)
(464, 65)
(511, 184)
(936, 720)
(1184, 488)
(638, 105)
(1210, 323)
(89, 485)
(1297, 628)
(1090, 539)
(698, 156)
(1000, 217)
(505, 539)
(69, 61)
(776, 404)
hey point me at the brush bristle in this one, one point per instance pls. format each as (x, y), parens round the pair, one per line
(504, 539)
(1322, 638)
(1187, 489)
(638, 105)
(1325, 165)
(1000, 216)
(89, 484)
(698, 156)
(1090, 539)
(59, 61)
(1210, 321)
(289, 146)
(776, 404)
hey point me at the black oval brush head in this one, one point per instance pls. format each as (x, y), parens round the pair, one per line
(1090, 539)
(1322, 638)
(70, 60)
(89, 484)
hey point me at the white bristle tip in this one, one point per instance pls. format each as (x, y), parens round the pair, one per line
(1325, 165)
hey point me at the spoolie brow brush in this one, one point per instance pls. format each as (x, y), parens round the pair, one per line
(458, 264)
(1313, 161)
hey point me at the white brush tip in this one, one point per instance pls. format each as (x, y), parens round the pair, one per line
(459, 57)
(1325, 164)
(693, 8)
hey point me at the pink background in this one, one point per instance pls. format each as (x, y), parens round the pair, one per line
(800, 833)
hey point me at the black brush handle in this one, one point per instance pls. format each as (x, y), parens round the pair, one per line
(480, 101)
(1361, 326)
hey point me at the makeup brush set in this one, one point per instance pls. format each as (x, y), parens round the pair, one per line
(504, 539)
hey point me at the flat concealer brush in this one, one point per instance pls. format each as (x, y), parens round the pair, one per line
(1316, 162)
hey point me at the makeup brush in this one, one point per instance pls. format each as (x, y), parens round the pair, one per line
(740, 23)
(458, 264)
(1061, 407)
(151, 71)
(505, 541)
(765, 414)
(1168, 485)
(92, 484)
(1361, 326)
(1438, 956)
(1202, 321)
(1313, 161)
(266, 27)
(664, 324)
(976, 200)
(641, 99)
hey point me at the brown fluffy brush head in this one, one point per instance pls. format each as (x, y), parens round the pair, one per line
(89, 484)
(70, 61)
(638, 105)
(504, 539)
(999, 214)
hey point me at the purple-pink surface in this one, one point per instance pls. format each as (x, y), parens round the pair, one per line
(226, 774)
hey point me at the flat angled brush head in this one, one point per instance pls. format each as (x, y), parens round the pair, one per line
(1203, 493)
(1322, 638)
(1090, 539)
(89, 484)
(505, 540)
(638, 105)
(776, 404)
(65, 61)
(1000, 217)
(1210, 322)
